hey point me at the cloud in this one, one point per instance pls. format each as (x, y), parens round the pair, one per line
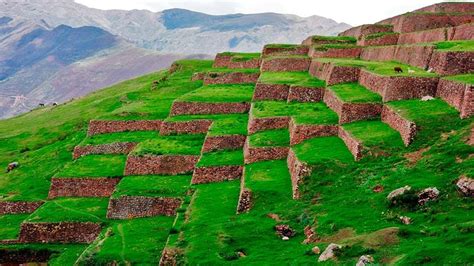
(349, 11)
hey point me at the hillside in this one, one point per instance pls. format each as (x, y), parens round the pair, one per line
(346, 149)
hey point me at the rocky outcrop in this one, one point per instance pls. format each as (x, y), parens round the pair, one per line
(392, 196)
(82, 187)
(465, 185)
(428, 194)
(129, 207)
(329, 252)
(365, 260)
(62, 232)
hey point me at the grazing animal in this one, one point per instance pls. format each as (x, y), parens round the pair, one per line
(41, 105)
(398, 69)
(12, 166)
(55, 104)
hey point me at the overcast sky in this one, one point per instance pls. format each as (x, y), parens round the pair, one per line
(354, 12)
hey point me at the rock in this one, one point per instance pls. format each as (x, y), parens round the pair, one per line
(377, 189)
(466, 186)
(284, 230)
(316, 250)
(427, 98)
(310, 234)
(285, 238)
(329, 252)
(398, 192)
(405, 220)
(427, 194)
(241, 254)
(365, 260)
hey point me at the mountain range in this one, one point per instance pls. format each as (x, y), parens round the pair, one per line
(55, 50)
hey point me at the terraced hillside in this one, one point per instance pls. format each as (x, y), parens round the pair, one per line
(344, 150)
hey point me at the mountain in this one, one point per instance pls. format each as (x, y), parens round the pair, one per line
(178, 30)
(40, 64)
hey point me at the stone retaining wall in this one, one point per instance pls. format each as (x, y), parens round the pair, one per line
(160, 164)
(426, 21)
(277, 92)
(427, 36)
(415, 55)
(258, 154)
(227, 142)
(82, 187)
(202, 108)
(186, 127)
(24, 256)
(298, 171)
(103, 126)
(300, 133)
(463, 32)
(449, 8)
(387, 39)
(336, 53)
(406, 128)
(367, 29)
(281, 64)
(452, 63)
(285, 51)
(212, 174)
(230, 78)
(129, 207)
(333, 74)
(245, 201)
(398, 88)
(19, 207)
(350, 112)
(354, 145)
(198, 76)
(62, 232)
(227, 61)
(268, 123)
(112, 148)
(305, 94)
(458, 95)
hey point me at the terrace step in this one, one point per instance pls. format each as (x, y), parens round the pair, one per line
(419, 21)
(237, 60)
(317, 40)
(82, 187)
(112, 148)
(128, 207)
(230, 78)
(405, 127)
(160, 164)
(458, 92)
(59, 232)
(105, 126)
(254, 154)
(284, 50)
(200, 108)
(19, 207)
(335, 51)
(366, 29)
(285, 64)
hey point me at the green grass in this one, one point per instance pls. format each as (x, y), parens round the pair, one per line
(381, 68)
(218, 158)
(271, 138)
(241, 57)
(375, 134)
(95, 166)
(296, 56)
(322, 150)
(153, 186)
(379, 35)
(282, 45)
(303, 113)
(72, 210)
(335, 39)
(325, 47)
(234, 70)
(467, 78)
(137, 241)
(135, 136)
(11, 225)
(225, 124)
(455, 46)
(220, 93)
(355, 93)
(171, 145)
(291, 78)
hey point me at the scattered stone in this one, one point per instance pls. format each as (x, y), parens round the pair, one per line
(398, 192)
(405, 220)
(274, 216)
(427, 98)
(466, 186)
(377, 189)
(316, 250)
(284, 230)
(310, 234)
(365, 260)
(427, 194)
(329, 252)
(285, 238)
(241, 254)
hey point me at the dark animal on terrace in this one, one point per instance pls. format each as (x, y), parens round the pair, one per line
(12, 166)
(41, 105)
(398, 69)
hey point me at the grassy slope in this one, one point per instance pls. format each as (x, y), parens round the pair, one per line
(337, 198)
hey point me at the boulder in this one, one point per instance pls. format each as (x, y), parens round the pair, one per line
(398, 192)
(284, 230)
(466, 186)
(405, 220)
(316, 250)
(365, 260)
(329, 252)
(310, 234)
(428, 194)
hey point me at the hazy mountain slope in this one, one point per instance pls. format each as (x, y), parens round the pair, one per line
(178, 30)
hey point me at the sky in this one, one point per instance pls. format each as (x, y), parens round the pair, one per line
(354, 12)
